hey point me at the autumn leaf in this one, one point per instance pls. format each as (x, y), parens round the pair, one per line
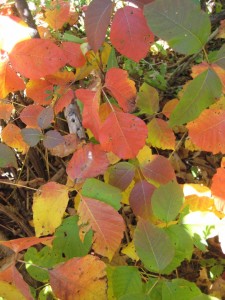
(61, 78)
(73, 54)
(122, 88)
(52, 139)
(97, 18)
(105, 221)
(148, 99)
(91, 101)
(71, 142)
(49, 205)
(65, 97)
(123, 134)
(8, 291)
(88, 161)
(7, 157)
(40, 91)
(218, 189)
(82, 278)
(207, 131)
(37, 58)
(6, 109)
(131, 40)
(30, 114)
(57, 16)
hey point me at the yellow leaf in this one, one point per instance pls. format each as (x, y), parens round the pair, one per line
(144, 155)
(10, 292)
(129, 250)
(126, 193)
(49, 205)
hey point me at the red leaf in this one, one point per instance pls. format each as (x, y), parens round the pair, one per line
(121, 175)
(38, 90)
(97, 19)
(89, 161)
(106, 222)
(91, 101)
(206, 132)
(218, 189)
(140, 199)
(130, 34)
(158, 170)
(79, 278)
(123, 134)
(64, 100)
(121, 88)
(73, 54)
(29, 115)
(37, 58)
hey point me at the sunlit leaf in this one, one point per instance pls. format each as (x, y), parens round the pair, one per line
(7, 157)
(52, 139)
(31, 136)
(79, 278)
(40, 91)
(6, 109)
(12, 136)
(170, 20)
(65, 97)
(125, 36)
(62, 77)
(153, 246)
(105, 221)
(74, 55)
(218, 189)
(49, 204)
(148, 99)
(58, 14)
(123, 134)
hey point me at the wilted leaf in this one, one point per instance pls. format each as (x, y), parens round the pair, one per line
(74, 55)
(105, 221)
(88, 161)
(121, 175)
(123, 134)
(31, 136)
(153, 246)
(40, 91)
(37, 58)
(80, 278)
(170, 21)
(12, 136)
(49, 204)
(148, 99)
(52, 139)
(131, 40)
(29, 115)
(97, 18)
(7, 157)
(45, 117)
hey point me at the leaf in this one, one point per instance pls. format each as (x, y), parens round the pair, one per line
(79, 278)
(123, 134)
(37, 58)
(10, 81)
(70, 144)
(140, 199)
(167, 201)
(207, 131)
(97, 18)
(121, 88)
(73, 54)
(31, 136)
(7, 157)
(52, 139)
(62, 77)
(141, 3)
(88, 161)
(153, 246)
(49, 205)
(40, 91)
(105, 221)
(46, 117)
(58, 14)
(29, 115)
(96, 189)
(218, 189)
(121, 175)
(11, 135)
(125, 36)
(158, 170)
(160, 135)
(9, 291)
(170, 21)
(91, 101)
(220, 57)
(64, 99)
(123, 281)
(169, 107)
(6, 109)
(148, 99)
(112, 61)
(198, 95)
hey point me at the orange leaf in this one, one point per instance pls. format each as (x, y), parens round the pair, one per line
(61, 77)
(71, 142)
(206, 132)
(130, 34)
(121, 88)
(37, 58)
(105, 110)
(79, 278)
(169, 107)
(105, 221)
(89, 161)
(38, 90)
(11, 136)
(123, 134)
(65, 97)
(91, 101)
(30, 114)
(6, 110)
(59, 15)
(74, 55)
(9, 80)
(160, 135)
(218, 189)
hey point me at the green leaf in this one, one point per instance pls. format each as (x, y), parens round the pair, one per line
(153, 288)
(148, 99)
(31, 136)
(153, 246)
(205, 297)
(179, 22)
(198, 95)
(7, 157)
(179, 289)
(96, 189)
(72, 38)
(183, 245)
(220, 57)
(123, 281)
(112, 61)
(167, 201)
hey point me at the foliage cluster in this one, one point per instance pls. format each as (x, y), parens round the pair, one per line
(122, 224)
